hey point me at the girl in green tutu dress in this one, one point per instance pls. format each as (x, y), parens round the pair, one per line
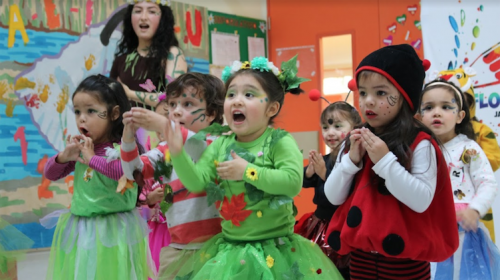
(251, 175)
(101, 236)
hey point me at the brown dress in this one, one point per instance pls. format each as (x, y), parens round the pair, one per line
(132, 69)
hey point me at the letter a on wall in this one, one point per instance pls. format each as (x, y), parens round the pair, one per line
(16, 23)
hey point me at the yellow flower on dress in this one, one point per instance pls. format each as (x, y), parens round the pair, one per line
(270, 261)
(167, 156)
(216, 163)
(204, 256)
(252, 174)
(259, 214)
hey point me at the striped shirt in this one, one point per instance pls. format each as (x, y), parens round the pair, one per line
(190, 220)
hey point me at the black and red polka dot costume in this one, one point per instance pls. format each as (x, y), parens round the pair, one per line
(385, 237)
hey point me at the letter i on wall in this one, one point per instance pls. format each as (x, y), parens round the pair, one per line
(16, 23)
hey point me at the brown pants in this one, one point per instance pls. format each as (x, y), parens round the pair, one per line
(171, 256)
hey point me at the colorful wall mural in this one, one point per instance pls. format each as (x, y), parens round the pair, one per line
(46, 48)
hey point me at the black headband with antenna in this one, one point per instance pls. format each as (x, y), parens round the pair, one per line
(315, 94)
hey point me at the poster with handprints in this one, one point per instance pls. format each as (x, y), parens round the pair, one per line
(400, 24)
(48, 48)
(464, 35)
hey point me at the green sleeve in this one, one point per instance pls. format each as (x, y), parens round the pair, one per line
(195, 177)
(286, 176)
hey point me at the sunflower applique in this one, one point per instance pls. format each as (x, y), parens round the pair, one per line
(167, 156)
(89, 173)
(469, 155)
(270, 261)
(459, 194)
(251, 174)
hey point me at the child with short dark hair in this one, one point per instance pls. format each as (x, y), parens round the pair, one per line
(194, 100)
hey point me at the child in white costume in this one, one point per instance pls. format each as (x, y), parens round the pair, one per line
(473, 181)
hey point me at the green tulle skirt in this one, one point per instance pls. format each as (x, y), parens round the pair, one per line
(113, 246)
(13, 246)
(291, 257)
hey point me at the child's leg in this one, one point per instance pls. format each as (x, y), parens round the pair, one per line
(170, 257)
(375, 266)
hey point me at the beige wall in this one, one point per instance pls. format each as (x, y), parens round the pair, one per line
(247, 8)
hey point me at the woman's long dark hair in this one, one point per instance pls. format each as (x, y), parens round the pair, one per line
(162, 41)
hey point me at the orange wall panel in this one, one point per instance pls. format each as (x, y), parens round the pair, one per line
(301, 23)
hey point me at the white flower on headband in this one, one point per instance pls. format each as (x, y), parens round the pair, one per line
(236, 66)
(273, 68)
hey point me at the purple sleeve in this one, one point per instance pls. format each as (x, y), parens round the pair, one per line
(55, 171)
(111, 169)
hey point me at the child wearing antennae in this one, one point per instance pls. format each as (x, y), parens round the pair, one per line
(337, 120)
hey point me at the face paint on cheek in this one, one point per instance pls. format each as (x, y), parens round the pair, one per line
(201, 117)
(392, 100)
(197, 111)
(103, 115)
(342, 135)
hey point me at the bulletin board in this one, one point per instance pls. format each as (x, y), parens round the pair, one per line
(234, 38)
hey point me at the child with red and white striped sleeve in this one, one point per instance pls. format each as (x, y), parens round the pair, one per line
(195, 101)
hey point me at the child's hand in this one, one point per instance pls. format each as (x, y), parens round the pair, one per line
(148, 120)
(87, 150)
(173, 137)
(310, 169)
(232, 169)
(319, 165)
(72, 150)
(357, 151)
(468, 218)
(375, 146)
(155, 196)
(129, 128)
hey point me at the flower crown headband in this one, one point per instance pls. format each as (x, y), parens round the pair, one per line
(159, 2)
(287, 76)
